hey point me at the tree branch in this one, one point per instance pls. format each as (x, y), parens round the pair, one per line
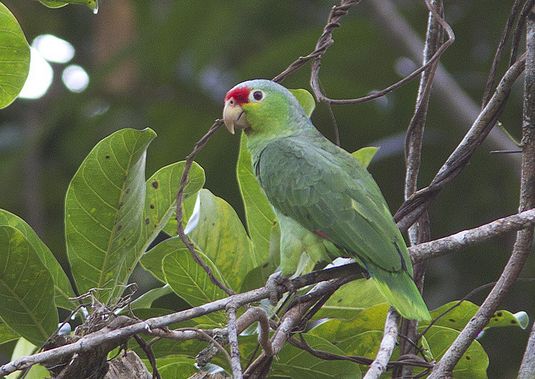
(420, 231)
(470, 237)
(524, 241)
(464, 109)
(93, 340)
(233, 342)
(380, 364)
(411, 209)
(527, 368)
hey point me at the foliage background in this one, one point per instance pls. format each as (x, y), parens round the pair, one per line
(167, 64)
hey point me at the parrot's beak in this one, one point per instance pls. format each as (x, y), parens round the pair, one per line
(234, 116)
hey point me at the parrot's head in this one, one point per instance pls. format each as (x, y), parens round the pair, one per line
(261, 108)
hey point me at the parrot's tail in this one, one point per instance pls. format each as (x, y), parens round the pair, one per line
(401, 292)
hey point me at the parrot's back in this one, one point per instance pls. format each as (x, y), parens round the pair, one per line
(327, 191)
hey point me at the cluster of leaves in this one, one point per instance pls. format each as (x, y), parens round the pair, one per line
(113, 215)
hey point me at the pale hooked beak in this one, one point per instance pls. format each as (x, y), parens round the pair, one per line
(234, 116)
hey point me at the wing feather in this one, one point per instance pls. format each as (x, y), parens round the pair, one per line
(323, 188)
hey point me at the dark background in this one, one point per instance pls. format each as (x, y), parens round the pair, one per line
(166, 65)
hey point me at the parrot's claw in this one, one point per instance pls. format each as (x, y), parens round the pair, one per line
(274, 282)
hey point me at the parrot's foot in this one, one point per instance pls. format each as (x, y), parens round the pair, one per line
(273, 283)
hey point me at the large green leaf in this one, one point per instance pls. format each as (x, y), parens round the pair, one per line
(458, 316)
(350, 299)
(104, 212)
(187, 279)
(63, 289)
(297, 363)
(259, 214)
(14, 57)
(218, 232)
(472, 365)
(26, 288)
(6, 333)
(160, 203)
(91, 4)
(146, 300)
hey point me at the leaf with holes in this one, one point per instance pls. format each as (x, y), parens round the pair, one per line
(297, 363)
(15, 57)
(456, 316)
(472, 365)
(104, 213)
(26, 288)
(160, 203)
(259, 214)
(63, 289)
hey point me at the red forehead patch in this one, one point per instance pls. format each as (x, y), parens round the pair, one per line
(240, 95)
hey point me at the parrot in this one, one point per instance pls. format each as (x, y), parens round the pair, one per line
(328, 205)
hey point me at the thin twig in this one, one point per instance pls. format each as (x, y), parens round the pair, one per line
(326, 41)
(411, 209)
(233, 342)
(150, 356)
(524, 241)
(463, 109)
(510, 26)
(179, 204)
(388, 343)
(420, 231)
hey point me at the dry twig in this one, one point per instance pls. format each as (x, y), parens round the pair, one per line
(380, 364)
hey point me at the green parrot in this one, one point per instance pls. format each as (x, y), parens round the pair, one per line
(327, 204)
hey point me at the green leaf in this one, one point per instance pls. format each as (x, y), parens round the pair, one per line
(22, 349)
(350, 299)
(472, 365)
(26, 288)
(146, 300)
(91, 4)
(15, 53)
(63, 289)
(458, 317)
(104, 213)
(259, 213)
(218, 232)
(297, 363)
(365, 155)
(304, 98)
(175, 366)
(187, 279)
(160, 203)
(7, 334)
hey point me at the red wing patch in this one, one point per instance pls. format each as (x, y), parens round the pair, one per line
(321, 233)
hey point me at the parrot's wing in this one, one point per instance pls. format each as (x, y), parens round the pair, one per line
(333, 197)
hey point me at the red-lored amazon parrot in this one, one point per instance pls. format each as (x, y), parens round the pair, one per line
(328, 205)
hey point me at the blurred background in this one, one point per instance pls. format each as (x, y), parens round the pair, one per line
(167, 64)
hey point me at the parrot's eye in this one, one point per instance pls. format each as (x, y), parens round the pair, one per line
(258, 95)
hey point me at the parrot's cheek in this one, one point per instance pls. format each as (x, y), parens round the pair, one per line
(234, 118)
